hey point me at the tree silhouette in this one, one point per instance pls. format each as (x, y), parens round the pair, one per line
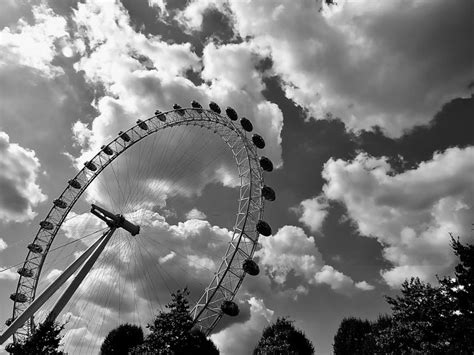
(354, 336)
(460, 290)
(425, 319)
(283, 338)
(45, 340)
(122, 339)
(173, 333)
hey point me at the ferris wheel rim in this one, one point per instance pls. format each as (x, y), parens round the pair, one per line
(182, 116)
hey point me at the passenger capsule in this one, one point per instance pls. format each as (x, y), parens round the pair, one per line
(35, 248)
(258, 141)
(18, 297)
(197, 106)
(264, 228)
(107, 150)
(60, 203)
(178, 109)
(25, 272)
(90, 165)
(266, 164)
(46, 225)
(142, 125)
(11, 348)
(230, 308)
(214, 107)
(160, 115)
(268, 193)
(74, 183)
(124, 136)
(231, 113)
(9, 321)
(251, 267)
(246, 124)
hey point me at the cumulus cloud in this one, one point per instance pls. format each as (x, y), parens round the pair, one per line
(142, 73)
(290, 250)
(195, 214)
(8, 275)
(3, 244)
(241, 338)
(19, 192)
(363, 285)
(313, 212)
(34, 45)
(412, 213)
(358, 59)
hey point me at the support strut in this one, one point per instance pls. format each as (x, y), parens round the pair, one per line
(85, 262)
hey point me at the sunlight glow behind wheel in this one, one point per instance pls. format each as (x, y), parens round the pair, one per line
(150, 174)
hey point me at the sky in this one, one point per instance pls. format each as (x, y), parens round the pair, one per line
(366, 108)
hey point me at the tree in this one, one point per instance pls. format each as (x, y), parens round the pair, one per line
(460, 290)
(354, 336)
(283, 338)
(425, 319)
(45, 340)
(122, 339)
(173, 332)
(420, 321)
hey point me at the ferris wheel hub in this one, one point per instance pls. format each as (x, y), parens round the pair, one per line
(115, 220)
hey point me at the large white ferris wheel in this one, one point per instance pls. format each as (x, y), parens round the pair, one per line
(120, 226)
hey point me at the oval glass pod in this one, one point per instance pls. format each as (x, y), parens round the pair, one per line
(231, 113)
(258, 141)
(266, 164)
(246, 124)
(142, 125)
(264, 228)
(107, 150)
(268, 193)
(124, 136)
(230, 308)
(74, 183)
(214, 107)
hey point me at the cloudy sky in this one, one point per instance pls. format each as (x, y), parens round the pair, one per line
(367, 110)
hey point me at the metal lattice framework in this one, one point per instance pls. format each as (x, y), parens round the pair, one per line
(228, 276)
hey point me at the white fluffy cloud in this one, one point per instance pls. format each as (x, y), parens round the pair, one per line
(411, 214)
(19, 192)
(359, 59)
(241, 338)
(291, 250)
(195, 214)
(3, 244)
(34, 45)
(313, 212)
(8, 274)
(142, 73)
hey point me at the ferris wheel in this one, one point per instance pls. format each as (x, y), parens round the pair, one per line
(116, 206)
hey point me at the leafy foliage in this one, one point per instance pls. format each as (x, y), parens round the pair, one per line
(425, 319)
(173, 333)
(122, 339)
(45, 340)
(420, 321)
(282, 338)
(354, 336)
